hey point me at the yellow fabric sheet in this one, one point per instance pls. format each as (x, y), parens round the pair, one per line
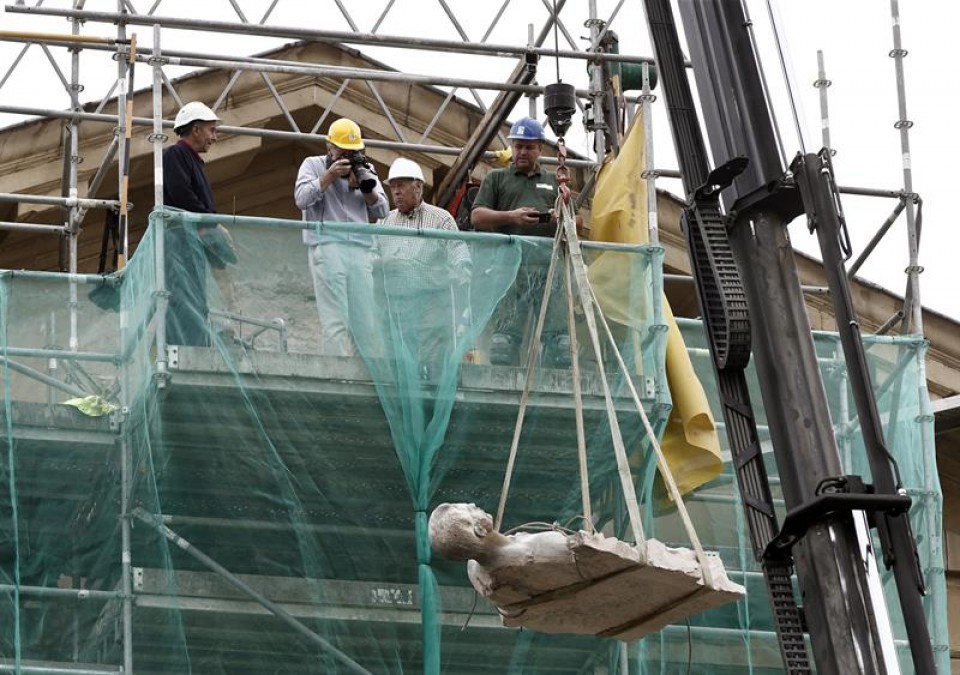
(690, 442)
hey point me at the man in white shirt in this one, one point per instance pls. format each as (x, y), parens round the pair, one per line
(340, 187)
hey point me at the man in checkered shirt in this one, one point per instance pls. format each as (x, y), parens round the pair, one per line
(425, 279)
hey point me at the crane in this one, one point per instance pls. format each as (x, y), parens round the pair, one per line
(751, 302)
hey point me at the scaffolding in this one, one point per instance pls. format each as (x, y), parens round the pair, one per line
(215, 495)
(145, 589)
(595, 56)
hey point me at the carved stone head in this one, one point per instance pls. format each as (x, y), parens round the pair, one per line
(462, 532)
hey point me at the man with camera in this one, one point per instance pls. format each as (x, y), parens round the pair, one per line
(341, 187)
(520, 199)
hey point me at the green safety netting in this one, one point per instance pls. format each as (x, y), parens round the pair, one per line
(195, 481)
(739, 638)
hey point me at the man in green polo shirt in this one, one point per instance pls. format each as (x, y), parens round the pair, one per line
(516, 200)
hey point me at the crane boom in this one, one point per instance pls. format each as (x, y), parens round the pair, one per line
(751, 302)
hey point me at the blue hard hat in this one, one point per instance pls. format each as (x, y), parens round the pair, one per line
(526, 129)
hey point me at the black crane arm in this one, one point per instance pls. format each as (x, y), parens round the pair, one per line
(724, 310)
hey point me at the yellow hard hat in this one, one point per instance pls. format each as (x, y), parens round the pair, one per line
(345, 133)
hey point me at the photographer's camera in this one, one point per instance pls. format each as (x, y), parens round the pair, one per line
(362, 170)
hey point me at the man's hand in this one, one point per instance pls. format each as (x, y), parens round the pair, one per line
(338, 169)
(218, 246)
(524, 216)
(527, 216)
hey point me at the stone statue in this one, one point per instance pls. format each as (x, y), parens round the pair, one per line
(465, 532)
(578, 583)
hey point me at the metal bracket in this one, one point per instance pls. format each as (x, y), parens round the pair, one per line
(173, 357)
(842, 494)
(117, 418)
(721, 178)
(649, 387)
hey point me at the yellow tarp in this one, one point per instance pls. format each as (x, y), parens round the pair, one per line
(690, 442)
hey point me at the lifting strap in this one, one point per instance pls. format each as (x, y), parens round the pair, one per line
(566, 245)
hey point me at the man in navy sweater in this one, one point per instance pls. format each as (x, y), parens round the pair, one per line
(185, 186)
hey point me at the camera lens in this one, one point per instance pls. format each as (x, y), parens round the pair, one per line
(366, 179)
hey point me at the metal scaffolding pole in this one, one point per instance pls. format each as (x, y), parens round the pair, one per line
(646, 110)
(295, 68)
(275, 133)
(108, 157)
(260, 64)
(597, 89)
(57, 276)
(913, 319)
(71, 159)
(32, 227)
(887, 325)
(872, 244)
(306, 34)
(687, 279)
(72, 154)
(25, 669)
(291, 67)
(932, 533)
(67, 202)
(43, 378)
(872, 192)
(124, 113)
(126, 555)
(342, 659)
(157, 137)
(822, 83)
(50, 591)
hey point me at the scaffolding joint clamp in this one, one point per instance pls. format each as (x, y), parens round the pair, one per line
(162, 376)
(118, 417)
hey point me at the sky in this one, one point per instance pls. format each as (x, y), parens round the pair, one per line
(854, 35)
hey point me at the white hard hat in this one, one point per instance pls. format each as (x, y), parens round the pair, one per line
(404, 168)
(193, 111)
